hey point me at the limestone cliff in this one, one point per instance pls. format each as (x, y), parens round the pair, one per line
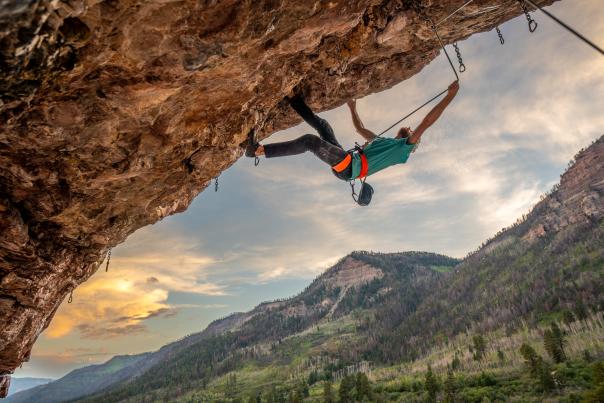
(116, 113)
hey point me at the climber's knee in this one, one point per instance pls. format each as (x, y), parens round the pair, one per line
(311, 142)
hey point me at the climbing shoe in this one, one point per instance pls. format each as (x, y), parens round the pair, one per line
(252, 145)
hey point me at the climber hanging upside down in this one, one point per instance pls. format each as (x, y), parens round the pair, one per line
(377, 154)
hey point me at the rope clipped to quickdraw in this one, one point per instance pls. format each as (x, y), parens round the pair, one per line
(108, 259)
(501, 40)
(532, 24)
(70, 300)
(216, 184)
(462, 67)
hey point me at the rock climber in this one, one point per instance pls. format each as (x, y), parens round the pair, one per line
(377, 154)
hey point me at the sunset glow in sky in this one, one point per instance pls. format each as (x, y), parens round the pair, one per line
(523, 111)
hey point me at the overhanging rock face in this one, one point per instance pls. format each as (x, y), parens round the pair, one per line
(115, 114)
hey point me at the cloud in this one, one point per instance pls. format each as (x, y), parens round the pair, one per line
(136, 289)
(93, 331)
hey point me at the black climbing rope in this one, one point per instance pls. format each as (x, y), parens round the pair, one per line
(462, 67)
(412, 112)
(532, 24)
(70, 300)
(108, 259)
(565, 26)
(501, 40)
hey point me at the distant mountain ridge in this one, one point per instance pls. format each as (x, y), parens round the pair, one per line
(24, 383)
(550, 261)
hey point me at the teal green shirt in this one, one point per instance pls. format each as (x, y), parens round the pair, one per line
(382, 153)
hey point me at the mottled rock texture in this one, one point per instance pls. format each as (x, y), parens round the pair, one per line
(578, 198)
(116, 113)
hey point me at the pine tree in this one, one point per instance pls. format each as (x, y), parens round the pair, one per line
(554, 341)
(345, 391)
(363, 389)
(480, 346)
(305, 391)
(450, 387)
(581, 310)
(596, 395)
(431, 385)
(546, 379)
(549, 344)
(538, 367)
(456, 363)
(500, 356)
(560, 340)
(568, 317)
(271, 396)
(328, 396)
(531, 358)
(231, 386)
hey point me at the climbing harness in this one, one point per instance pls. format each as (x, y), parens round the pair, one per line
(567, 27)
(366, 191)
(108, 259)
(462, 67)
(216, 184)
(501, 40)
(70, 300)
(532, 24)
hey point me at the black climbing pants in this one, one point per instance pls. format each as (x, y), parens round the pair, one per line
(326, 147)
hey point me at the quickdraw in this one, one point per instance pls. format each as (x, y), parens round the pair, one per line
(501, 40)
(462, 67)
(108, 259)
(532, 24)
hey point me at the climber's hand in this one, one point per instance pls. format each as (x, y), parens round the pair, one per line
(453, 88)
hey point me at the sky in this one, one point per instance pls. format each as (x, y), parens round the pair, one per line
(523, 110)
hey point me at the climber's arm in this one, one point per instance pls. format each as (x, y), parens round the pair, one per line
(358, 124)
(435, 113)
